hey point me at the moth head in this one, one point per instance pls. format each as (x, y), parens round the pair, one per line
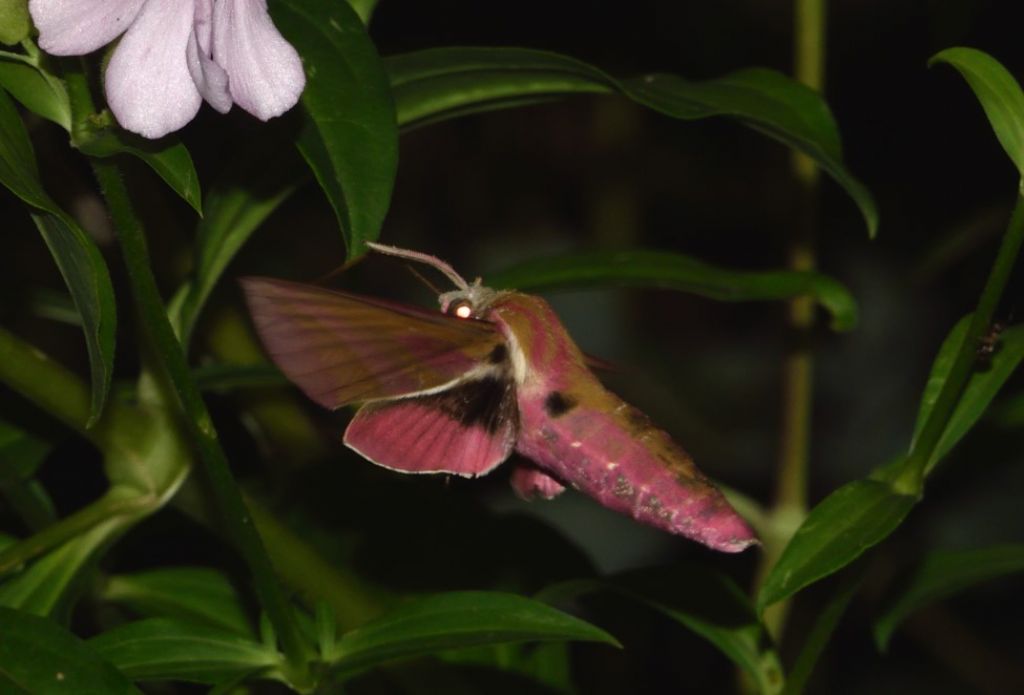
(467, 302)
(470, 302)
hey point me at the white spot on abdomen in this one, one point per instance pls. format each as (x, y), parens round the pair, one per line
(612, 465)
(576, 445)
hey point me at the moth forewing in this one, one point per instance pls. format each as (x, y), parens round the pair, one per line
(341, 348)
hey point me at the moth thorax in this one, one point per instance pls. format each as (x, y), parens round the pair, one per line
(471, 302)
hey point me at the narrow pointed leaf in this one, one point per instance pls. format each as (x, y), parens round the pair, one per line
(233, 210)
(835, 533)
(706, 602)
(942, 574)
(350, 138)
(999, 93)
(940, 370)
(76, 255)
(167, 649)
(20, 453)
(982, 388)
(819, 635)
(364, 8)
(194, 594)
(43, 588)
(641, 268)
(167, 157)
(39, 656)
(36, 90)
(453, 620)
(447, 82)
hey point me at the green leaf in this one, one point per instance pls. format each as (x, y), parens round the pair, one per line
(982, 388)
(350, 138)
(39, 656)
(31, 502)
(835, 533)
(166, 649)
(36, 89)
(364, 8)
(453, 620)
(14, 22)
(820, 634)
(447, 82)
(194, 594)
(43, 588)
(233, 210)
(940, 370)
(77, 256)
(999, 93)
(98, 136)
(20, 453)
(704, 601)
(675, 271)
(943, 573)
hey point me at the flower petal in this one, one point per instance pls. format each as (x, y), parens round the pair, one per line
(76, 27)
(149, 87)
(210, 78)
(264, 72)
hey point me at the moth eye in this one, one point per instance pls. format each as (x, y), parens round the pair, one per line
(462, 309)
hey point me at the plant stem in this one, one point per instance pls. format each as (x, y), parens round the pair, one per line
(917, 465)
(197, 421)
(798, 368)
(116, 503)
(48, 384)
(155, 322)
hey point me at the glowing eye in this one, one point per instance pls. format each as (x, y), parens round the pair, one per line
(463, 311)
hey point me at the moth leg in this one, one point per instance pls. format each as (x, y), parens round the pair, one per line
(531, 483)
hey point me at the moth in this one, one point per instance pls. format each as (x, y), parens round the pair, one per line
(458, 390)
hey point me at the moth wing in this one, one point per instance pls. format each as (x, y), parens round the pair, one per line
(465, 430)
(341, 348)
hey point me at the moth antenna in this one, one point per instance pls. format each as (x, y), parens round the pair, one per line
(426, 258)
(422, 278)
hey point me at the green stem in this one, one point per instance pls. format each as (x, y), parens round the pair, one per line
(197, 421)
(155, 322)
(48, 384)
(127, 504)
(798, 368)
(916, 467)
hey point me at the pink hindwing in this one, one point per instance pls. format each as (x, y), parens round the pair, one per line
(457, 395)
(466, 430)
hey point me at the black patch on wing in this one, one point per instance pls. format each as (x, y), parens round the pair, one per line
(558, 404)
(489, 402)
(498, 355)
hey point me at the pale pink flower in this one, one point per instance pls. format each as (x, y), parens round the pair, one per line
(175, 53)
